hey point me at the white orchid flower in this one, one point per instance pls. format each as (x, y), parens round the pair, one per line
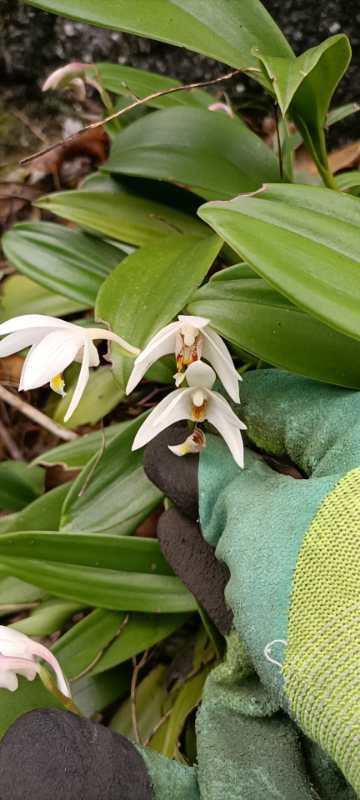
(54, 344)
(190, 338)
(198, 403)
(19, 656)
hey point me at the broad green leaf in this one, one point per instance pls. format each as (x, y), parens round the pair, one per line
(227, 34)
(93, 694)
(19, 484)
(75, 454)
(304, 241)
(123, 217)
(150, 287)
(102, 394)
(141, 632)
(209, 153)
(151, 697)
(48, 617)
(42, 514)
(306, 85)
(118, 496)
(108, 552)
(26, 556)
(66, 261)
(260, 321)
(317, 70)
(132, 83)
(19, 295)
(29, 696)
(81, 647)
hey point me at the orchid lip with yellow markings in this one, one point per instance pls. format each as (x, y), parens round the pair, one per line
(190, 339)
(199, 398)
(54, 345)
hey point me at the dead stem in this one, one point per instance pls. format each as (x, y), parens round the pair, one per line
(134, 677)
(139, 102)
(36, 416)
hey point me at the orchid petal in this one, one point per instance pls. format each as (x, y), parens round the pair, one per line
(81, 382)
(200, 375)
(10, 665)
(19, 340)
(43, 652)
(196, 322)
(51, 356)
(164, 344)
(216, 352)
(230, 433)
(164, 333)
(102, 333)
(174, 407)
(227, 411)
(26, 321)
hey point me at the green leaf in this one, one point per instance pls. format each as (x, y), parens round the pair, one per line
(131, 554)
(200, 25)
(349, 181)
(102, 394)
(141, 632)
(150, 287)
(66, 261)
(29, 696)
(306, 85)
(186, 701)
(15, 595)
(130, 82)
(75, 454)
(108, 582)
(93, 694)
(304, 240)
(210, 153)
(83, 644)
(20, 295)
(341, 112)
(118, 496)
(42, 514)
(254, 318)
(50, 616)
(123, 217)
(19, 484)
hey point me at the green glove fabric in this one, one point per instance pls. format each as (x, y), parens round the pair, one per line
(292, 548)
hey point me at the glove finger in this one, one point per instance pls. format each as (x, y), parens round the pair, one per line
(193, 560)
(315, 425)
(54, 754)
(175, 476)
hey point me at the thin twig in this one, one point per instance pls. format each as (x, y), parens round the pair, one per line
(36, 416)
(9, 443)
(134, 677)
(158, 725)
(139, 102)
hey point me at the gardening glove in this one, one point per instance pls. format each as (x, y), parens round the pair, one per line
(291, 548)
(247, 748)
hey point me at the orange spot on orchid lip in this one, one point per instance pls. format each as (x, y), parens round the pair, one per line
(198, 413)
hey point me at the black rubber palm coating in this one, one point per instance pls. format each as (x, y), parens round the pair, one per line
(193, 560)
(176, 476)
(55, 755)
